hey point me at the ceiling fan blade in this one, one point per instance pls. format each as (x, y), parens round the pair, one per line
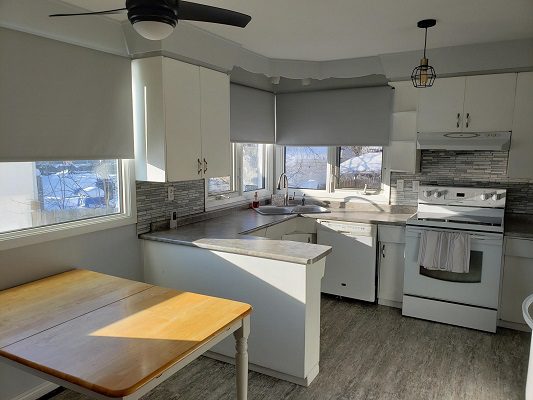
(115, 11)
(200, 12)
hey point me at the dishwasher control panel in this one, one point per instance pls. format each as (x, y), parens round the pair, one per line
(350, 228)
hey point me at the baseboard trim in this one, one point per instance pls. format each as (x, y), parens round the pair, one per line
(390, 303)
(513, 325)
(267, 371)
(37, 391)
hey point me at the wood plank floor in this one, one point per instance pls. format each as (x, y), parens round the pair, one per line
(371, 352)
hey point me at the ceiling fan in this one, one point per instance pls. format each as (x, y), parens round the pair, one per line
(156, 19)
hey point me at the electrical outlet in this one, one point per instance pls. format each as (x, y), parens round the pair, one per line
(416, 185)
(170, 196)
(399, 185)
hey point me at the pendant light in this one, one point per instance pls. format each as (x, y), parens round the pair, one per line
(424, 75)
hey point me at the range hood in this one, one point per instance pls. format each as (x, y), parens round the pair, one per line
(464, 141)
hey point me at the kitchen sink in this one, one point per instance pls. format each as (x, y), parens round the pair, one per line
(309, 209)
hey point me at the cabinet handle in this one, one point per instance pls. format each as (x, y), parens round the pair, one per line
(467, 119)
(382, 251)
(199, 167)
(205, 166)
(458, 119)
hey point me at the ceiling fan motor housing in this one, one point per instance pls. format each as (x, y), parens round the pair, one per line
(165, 11)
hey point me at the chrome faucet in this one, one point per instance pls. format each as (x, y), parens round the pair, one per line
(285, 186)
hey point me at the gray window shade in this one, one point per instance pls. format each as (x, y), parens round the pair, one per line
(359, 116)
(252, 115)
(62, 102)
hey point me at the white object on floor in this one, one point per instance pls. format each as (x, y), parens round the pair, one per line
(445, 251)
(529, 319)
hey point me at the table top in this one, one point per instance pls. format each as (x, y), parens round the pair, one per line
(107, 334)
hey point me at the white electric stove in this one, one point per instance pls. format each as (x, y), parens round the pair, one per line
(464, 299)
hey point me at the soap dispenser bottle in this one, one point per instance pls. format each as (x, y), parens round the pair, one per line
(255, 202)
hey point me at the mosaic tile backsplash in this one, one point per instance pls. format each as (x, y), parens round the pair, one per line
(153, 206)
(468, 169)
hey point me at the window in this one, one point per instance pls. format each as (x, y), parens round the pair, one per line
(359, 167)
(50, 192)
(219, 185)
(253, 167)
(306, 167)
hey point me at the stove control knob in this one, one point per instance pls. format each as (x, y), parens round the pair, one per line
(427, 193)
(437, 194)
(496, 197)
(485, 196)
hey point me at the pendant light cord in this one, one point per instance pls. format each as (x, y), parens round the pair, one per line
(425, 41)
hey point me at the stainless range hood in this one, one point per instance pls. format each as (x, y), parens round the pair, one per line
(464, 141)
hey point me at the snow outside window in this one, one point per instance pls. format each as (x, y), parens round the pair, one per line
(306, 167)
(360, 167)
(44, 193)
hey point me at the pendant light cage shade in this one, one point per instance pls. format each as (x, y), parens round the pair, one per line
(424, 75)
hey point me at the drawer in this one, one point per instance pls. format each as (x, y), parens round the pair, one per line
(391, 234)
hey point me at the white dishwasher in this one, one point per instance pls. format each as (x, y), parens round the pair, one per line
(351, 266)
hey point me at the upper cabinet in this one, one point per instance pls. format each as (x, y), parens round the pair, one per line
(489, 103)
(215, 112)
(182, 121)
(440, 107)
(483, 103)
(520, 164)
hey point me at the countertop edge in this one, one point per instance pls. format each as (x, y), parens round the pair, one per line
(240, 251)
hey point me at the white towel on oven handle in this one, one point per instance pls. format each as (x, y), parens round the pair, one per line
(445, 251)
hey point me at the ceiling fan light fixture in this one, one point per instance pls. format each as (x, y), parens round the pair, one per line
(424, 74)
(153, 30)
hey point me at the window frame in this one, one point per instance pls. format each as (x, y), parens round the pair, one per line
(332, 192)
(40, 234)
(237, 196)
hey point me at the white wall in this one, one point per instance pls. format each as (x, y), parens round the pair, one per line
(114, 251)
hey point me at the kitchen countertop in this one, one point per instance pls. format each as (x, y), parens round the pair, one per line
(519, 226)
(229, 234)
(369, 217)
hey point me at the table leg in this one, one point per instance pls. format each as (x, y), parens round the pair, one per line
(241, 358)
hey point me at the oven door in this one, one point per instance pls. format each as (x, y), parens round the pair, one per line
(479, 287)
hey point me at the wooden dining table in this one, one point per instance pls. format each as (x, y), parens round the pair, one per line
(113, 338)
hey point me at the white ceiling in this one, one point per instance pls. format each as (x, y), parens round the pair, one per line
(322, 30)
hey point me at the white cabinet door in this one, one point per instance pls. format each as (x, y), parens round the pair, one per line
(391, 264)
(440, 107)
(520, 162)
(215, 120)
(489, 103)
(181, 87)
(391, 268)
(517, 279)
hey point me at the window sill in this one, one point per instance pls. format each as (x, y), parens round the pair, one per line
(342, 195)
(48, 233)
(212, 204)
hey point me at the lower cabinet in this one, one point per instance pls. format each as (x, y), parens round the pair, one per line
(517, 279)
(391, 261)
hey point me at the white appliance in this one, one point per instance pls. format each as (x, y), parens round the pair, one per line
(497, 141)
(529, 319)
(464, 299)
(351, 266)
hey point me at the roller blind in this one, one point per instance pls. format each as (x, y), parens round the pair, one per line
(359, 116)
(252, 115)
(62, 102)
